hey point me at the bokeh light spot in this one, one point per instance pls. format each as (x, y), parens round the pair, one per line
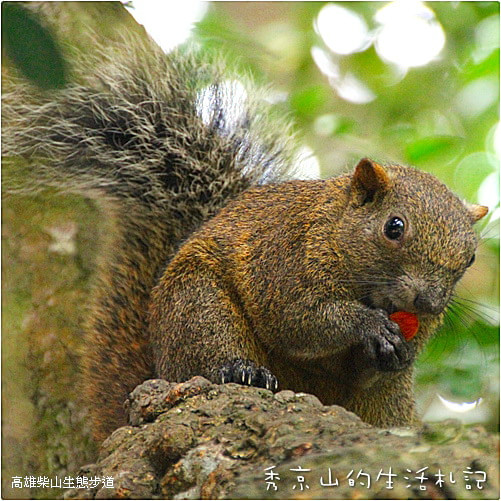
(168, 23)
(342, 30)
(409, 34)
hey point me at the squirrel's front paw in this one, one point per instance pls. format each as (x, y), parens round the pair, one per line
(387, 347)
(248, 373)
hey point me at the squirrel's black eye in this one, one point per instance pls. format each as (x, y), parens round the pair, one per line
(394, 228)
(471, 261)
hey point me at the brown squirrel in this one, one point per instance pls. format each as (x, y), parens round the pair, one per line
(220, 265)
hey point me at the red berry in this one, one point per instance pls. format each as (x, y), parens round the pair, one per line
(408, 323)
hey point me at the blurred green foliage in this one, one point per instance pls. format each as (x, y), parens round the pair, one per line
(31, 47)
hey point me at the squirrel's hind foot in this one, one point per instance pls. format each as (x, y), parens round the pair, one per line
(246, 372)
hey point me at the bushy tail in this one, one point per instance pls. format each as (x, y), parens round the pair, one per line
(161, 142)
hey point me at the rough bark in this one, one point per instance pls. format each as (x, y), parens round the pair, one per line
(199, 440)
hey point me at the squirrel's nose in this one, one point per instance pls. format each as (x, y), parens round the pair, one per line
(429, 303)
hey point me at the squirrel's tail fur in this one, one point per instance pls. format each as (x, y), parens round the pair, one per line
(161, 142)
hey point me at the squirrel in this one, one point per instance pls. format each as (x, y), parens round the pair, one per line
(220, 264)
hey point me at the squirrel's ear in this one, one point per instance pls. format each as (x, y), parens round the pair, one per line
(368, 179)
(477, 211)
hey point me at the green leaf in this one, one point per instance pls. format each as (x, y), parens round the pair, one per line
(471, 172)
(309, 101)
(31, 47)
(331, 124)
(434, 148)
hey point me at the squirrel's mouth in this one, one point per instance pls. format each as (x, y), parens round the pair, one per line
(385, 304)
(390, 308)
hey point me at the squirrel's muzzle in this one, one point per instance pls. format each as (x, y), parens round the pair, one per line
(433, 301)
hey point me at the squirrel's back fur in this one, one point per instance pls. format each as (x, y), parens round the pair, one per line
(161, 142)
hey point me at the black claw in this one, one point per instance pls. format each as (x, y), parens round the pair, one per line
(247, 373)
